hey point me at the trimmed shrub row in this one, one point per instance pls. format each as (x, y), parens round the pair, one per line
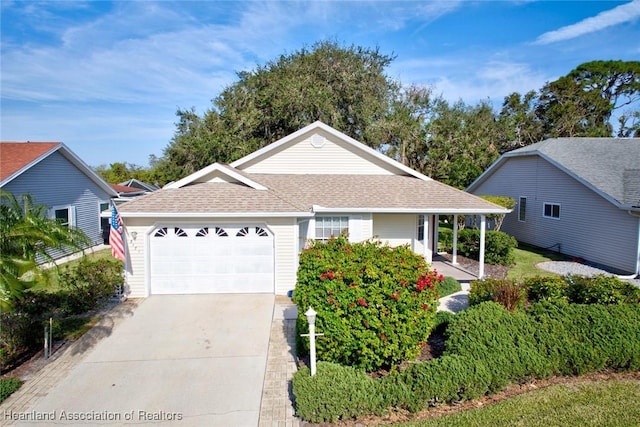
(8, 386)
(599, 289)
(487, 348)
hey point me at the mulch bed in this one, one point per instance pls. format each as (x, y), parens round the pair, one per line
(471, 265)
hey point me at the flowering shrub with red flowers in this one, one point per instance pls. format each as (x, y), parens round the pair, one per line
(376, 304)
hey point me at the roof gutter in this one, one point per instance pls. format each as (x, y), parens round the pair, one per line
(635, 213)
(214, 214)
(444, 211)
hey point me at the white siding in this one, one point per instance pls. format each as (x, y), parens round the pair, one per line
(394, 229)
(285, 243)
(332, 157)
(589, 226)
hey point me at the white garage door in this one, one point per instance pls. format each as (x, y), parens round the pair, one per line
(211, 259)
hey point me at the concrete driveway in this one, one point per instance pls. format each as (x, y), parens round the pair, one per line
(179, 360)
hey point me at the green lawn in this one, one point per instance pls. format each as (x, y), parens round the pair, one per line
(602, 403)
(526, 259)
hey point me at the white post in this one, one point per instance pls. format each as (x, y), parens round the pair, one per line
(427, 252)
(436, 223)
(311, 318)
(483, 225)
(454, 260)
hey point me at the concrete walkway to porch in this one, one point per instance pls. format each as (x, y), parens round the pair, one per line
(446, 268)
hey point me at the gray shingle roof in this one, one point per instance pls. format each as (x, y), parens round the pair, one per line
(399, 192)
(611, 165)
(299, 193)
(208, 197)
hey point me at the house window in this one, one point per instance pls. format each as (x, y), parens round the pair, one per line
(105, 222)
(64, 215)
(551, 210)
(180, 232)
(522, 209)
(331, 226)
(420, 227)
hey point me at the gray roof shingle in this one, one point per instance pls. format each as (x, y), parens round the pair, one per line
(611, 165)
(299, 193)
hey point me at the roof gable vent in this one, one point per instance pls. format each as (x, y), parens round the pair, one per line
(318, 140)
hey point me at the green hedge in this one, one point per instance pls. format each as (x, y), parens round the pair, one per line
(487, 348)
(8, 386)
(335, 392)
(375, 304)
(445, 239)
(499, 246)
(599, 289)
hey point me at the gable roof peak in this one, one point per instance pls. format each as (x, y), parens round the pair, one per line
(358, 146)
(225, 170)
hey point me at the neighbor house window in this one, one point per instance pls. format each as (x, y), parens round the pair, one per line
(64, 215)
(551, 210)
(522, 209)
(331, 226)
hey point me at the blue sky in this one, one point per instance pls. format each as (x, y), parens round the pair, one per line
(106, 78)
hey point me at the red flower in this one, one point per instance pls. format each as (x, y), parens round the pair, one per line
(330, 275)
(395, 295)
(383, 336)
(362, 302)
(425, 307)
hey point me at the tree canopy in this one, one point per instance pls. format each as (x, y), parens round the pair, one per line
(347, 88)
(344, 87)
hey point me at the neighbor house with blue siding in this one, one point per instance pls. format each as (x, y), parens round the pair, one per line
(57, 178)
(578, 196)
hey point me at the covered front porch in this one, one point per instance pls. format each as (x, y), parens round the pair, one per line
(446, 268)
(428, 238)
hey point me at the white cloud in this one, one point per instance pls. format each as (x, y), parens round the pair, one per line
(618, 15)
(491, 80)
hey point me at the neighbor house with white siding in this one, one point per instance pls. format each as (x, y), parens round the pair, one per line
(57, 178)
(577, 196)
(240, 227)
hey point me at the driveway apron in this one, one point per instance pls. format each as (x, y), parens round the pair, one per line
(179, 360)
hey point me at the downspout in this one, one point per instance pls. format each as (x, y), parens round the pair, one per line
(635, 274)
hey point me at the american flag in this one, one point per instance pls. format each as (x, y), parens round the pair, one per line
(115, 235)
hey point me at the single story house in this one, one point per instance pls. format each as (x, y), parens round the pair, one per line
(239, 227)
(59, 179)
(577, 196)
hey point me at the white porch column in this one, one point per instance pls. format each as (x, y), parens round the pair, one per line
(311, 231)
(436, 222)
(428, 253)
(483, 224)
(454, 259)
